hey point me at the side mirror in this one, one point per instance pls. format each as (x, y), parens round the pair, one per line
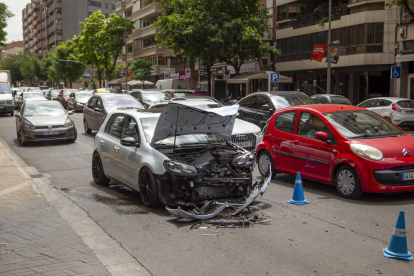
(70, 112)
(129, 142)
(17, 115)
(265, 107)
(321, 135)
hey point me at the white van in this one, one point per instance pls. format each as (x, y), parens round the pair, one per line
(172, 84)
(6, 97)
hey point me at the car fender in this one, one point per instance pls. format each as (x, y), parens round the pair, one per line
(345, 159)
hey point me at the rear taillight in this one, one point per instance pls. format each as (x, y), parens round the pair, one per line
(396, 108)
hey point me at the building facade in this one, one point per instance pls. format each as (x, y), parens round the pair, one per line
(365, 30)
(12, 48)
(46, 23)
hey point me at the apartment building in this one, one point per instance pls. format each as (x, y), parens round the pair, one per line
(364, 28)
(46, 23)
(11, 48)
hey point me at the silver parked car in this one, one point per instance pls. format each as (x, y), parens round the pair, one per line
(44, 121)
(181, 158)
(78, 100)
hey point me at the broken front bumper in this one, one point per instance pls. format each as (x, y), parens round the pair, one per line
(213, 207)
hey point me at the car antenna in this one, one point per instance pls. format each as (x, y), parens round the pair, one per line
(175, 135)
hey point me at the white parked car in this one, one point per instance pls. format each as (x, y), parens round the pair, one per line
(245, 134)
(400, 111)
(181, 158)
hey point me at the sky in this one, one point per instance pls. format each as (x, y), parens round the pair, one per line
(14, 25)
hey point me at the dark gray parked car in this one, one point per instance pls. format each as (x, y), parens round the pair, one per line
(330, 99)
(44, 121)
(99, 105)
(258, 107)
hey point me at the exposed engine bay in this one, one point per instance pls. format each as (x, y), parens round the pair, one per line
(203, 180)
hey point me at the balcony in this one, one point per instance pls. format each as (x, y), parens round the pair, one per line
(120, 7)
(148, 51)
(145, 32)
(147, 11)
(316, 17)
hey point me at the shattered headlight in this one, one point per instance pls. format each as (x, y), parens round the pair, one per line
(245, 160)
(179, 168)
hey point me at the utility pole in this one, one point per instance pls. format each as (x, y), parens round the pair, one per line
(125, 55)
(328, 76)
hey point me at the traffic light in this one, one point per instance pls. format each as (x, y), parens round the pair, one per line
(57, 60)
(91, 79)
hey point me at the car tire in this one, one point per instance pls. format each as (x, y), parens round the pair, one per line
(20, 138)
(264, 160)
(148, 188)
(98, 174)
(86, 128)
(347, 182)
(74, 138)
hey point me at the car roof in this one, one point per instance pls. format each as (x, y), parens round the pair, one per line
(137, 113)
(105, 95)
(389, 98)
(31, 92)
(329, 95)
(323, 108)
(41, 101)
(278, 93)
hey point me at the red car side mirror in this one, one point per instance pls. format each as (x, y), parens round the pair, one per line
(321, 135)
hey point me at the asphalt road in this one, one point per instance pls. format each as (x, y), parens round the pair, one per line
(329, 236)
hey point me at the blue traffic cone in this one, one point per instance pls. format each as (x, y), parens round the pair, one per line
(298, 196)
(397, 248)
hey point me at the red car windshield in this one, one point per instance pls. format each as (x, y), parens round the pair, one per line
(362, 124)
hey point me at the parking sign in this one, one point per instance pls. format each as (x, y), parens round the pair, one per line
(395, 72)
(274, 77)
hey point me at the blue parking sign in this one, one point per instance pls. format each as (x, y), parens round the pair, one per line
(274, 77)
(395, 72)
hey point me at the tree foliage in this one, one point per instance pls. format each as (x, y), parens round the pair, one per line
(13, 63)
(233, 31)
(407, 4)
(4, 15)
(71, 71)
(101, 41)
(141, 69)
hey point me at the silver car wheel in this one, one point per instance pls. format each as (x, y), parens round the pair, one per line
(346, 182)
(264, 164)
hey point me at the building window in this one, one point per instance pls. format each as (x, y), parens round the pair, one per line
(290, 11)
(113, 6)
(375, 37)
(95, 3)
(106, 5)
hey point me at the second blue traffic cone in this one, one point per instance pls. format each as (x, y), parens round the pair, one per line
(397, 248)
(298, 196)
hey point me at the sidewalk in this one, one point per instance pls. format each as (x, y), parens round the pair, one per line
(44, 233)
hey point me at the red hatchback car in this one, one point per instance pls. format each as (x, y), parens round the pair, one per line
(64, 96)
(347, 146)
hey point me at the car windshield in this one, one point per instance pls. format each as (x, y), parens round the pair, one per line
(54, 93)
(4, 89)
(67, 93)
(118, 102)
(183, 94)
(291, 100)
(33, 95)
(340, 100)
(44, 109)
(362, 124)
(406, 104)
(156, 97)
(84, 95)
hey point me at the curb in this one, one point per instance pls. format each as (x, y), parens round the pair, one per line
(109, 252)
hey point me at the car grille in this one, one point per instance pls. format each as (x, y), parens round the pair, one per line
(245, 138)
(46, 127)
(402, 168)
(50, 136)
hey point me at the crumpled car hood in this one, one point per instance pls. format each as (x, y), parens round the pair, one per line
(178, 119)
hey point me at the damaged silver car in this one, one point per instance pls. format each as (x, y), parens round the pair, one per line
(182, 158)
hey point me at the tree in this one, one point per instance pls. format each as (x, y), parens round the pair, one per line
(27, 66)
(69, 71)
(12, 63)
(141, 69)
(407, 4)
(101, 41)
(4, 15)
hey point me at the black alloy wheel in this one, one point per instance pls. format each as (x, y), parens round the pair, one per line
(148, 188)
(72, 140)
(98, 172)
(86, 128)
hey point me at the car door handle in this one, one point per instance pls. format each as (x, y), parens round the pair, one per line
(296, 142)
(116, 148)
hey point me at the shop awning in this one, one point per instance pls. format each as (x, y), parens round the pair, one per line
(404, 58)
(137, 82)
(246, 77)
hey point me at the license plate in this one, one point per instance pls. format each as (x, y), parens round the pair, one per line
(50, 132)
(408, 176)
(409, 112)
(244, 144)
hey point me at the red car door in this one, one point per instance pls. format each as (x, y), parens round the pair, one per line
(280, 137)
(311, 156)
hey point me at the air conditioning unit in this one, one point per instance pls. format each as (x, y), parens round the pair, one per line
(265, 62)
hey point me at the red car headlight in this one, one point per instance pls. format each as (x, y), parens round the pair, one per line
(367, 151)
